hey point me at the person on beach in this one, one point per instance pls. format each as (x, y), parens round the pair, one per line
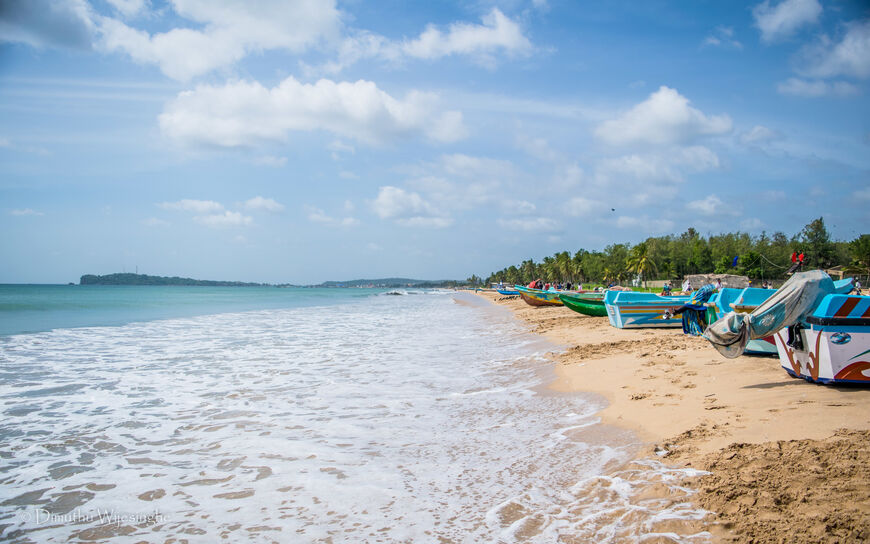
(801, 261)
(666, 290)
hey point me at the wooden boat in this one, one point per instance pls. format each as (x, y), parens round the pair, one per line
(745, 301)
(630, 309)
(508, 292)
(538, 297)
(585, 303)
(831, 344)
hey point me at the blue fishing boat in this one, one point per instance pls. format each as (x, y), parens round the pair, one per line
(745, 301)
(629, 309)
(508, 292)
(831, 344)
(821, 334)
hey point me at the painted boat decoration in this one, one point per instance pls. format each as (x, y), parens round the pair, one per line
(585, 303)
(629, 309)
(537, 297)
(832, 344)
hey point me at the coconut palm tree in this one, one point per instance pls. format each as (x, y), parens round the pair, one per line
(640, 261)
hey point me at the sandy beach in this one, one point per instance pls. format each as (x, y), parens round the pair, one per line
(786, 458)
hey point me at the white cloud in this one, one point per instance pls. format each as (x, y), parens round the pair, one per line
(346, 174)
(243, 113)
(850, 57)
(407, 208)
(230, 31)
(665, 117)
(670, 165)
(264, 204)
(195, 206)
(47, 23)
(813, 89)
(862, 194)
(758, 135)
(317, 215)
(155, 222)
(226, 219)
(518, 207)
(25, 212)
(129, 8)
(338, 147)
(497, 33)
(579, 206)
(529, 224)
(785, 18)
(712, 205)
(751, 223)
(723, 36)
(270, 160)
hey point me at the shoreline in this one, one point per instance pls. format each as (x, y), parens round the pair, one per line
(691, 407)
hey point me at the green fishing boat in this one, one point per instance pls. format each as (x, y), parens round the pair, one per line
(585, 303)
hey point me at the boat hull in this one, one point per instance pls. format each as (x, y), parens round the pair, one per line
(508, 292)
(836, 343)
(538, 297)
(631, 310)
(586, 305)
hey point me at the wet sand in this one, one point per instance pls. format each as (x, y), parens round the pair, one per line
(786, 457)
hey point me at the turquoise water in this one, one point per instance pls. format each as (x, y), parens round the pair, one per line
(37, 308)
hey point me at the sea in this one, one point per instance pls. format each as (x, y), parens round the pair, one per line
(262, 414)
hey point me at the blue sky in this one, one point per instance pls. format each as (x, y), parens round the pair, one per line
(307, 140)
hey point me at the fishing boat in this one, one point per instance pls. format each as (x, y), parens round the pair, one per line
(585, 303)
(539, 297)
(821, 333)
(630, 309)
(503, 289)
(745, 301)
(831, 344)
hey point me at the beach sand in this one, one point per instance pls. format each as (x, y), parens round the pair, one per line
(787, 458)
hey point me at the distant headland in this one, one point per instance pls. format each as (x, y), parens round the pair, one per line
(127, 278)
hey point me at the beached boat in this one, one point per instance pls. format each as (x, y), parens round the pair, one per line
(821, 334)
(742, 301)
(538, 297)
(585, 303)
(745, 301)
(508, 292)
(830, 345)
(630, 309)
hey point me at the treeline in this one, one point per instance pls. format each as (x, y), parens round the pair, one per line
(144, 279)
(675, 256)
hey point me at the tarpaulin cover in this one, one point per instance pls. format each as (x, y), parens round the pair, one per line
(797, 297)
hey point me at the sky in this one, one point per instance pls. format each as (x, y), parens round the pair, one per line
(301, 141)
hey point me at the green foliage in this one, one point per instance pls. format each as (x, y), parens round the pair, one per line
(675, 256)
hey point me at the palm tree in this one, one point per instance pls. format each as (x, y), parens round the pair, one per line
(640, 261)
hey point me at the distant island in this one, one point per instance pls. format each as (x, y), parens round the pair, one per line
(144, 279)
(126, 278)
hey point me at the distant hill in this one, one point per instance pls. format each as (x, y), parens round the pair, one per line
(144, 279)
(389, 283)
